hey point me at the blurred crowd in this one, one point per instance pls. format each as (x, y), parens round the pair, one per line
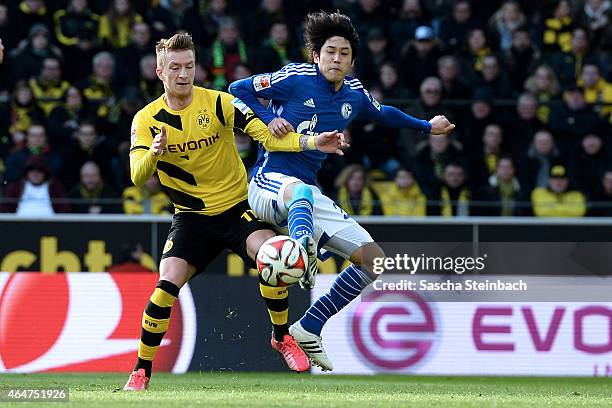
(528, 84)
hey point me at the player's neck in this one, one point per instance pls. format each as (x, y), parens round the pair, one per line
(178, 102)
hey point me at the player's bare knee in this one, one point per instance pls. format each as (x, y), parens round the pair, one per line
(175, 270)
(366, 257)
(256, 240)
(297, 191)
(288, 193)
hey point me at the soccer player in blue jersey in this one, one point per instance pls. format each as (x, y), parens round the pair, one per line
(313, 98)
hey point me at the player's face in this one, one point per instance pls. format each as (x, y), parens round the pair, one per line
(178, 73)
(335, 60)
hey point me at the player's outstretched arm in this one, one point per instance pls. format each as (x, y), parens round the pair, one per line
(243, 90)
(143, 159)
(326, 142)
(241, 117)
(278, 86)
(394, 117)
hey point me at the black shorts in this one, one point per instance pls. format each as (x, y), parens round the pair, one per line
(199, 238)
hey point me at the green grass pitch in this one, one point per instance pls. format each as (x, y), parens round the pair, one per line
(305, 390)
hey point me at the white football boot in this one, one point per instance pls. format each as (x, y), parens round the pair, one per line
(312, 346)
(307, 281)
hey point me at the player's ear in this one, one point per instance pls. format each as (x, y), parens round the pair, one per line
(159, 71)
(315, 57)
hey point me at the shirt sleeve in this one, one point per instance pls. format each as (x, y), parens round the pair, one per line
(243, 118)
(143, 162)
(278, 86)
(389, 115)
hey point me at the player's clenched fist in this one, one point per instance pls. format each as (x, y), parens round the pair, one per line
(440, 125)
(159, 142)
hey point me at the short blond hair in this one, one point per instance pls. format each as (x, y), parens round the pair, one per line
(178, 42)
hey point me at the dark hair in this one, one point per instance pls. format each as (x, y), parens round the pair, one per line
(88, 122)
(405, 167)
(522, 28)
(391, 64)
(455, 163)
(322, 26)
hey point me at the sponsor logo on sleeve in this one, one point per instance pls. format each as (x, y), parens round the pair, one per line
(241, 106)
(372, 100)
(261, 82)
(133, 136)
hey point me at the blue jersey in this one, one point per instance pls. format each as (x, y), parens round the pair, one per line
(300, 94)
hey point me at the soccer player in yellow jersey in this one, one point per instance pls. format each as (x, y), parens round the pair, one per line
(187, 136)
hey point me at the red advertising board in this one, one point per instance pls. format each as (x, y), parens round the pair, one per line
(85, 322)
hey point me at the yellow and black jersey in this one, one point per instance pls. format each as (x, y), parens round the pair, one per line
(200, 169)
(48, 95)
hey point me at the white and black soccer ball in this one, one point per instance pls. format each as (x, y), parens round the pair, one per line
(281, 261)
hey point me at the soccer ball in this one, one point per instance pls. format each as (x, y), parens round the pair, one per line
(281, 261)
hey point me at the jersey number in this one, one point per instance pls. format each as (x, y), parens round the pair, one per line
(248, 215)
(344, 214)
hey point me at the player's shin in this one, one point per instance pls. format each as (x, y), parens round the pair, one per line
(348, 285)
(277, 302)
(300, 207)
(155, 320)
(301, 227)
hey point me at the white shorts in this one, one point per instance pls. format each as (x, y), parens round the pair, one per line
(266, 200)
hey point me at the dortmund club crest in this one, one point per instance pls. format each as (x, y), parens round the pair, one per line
(203, 120)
